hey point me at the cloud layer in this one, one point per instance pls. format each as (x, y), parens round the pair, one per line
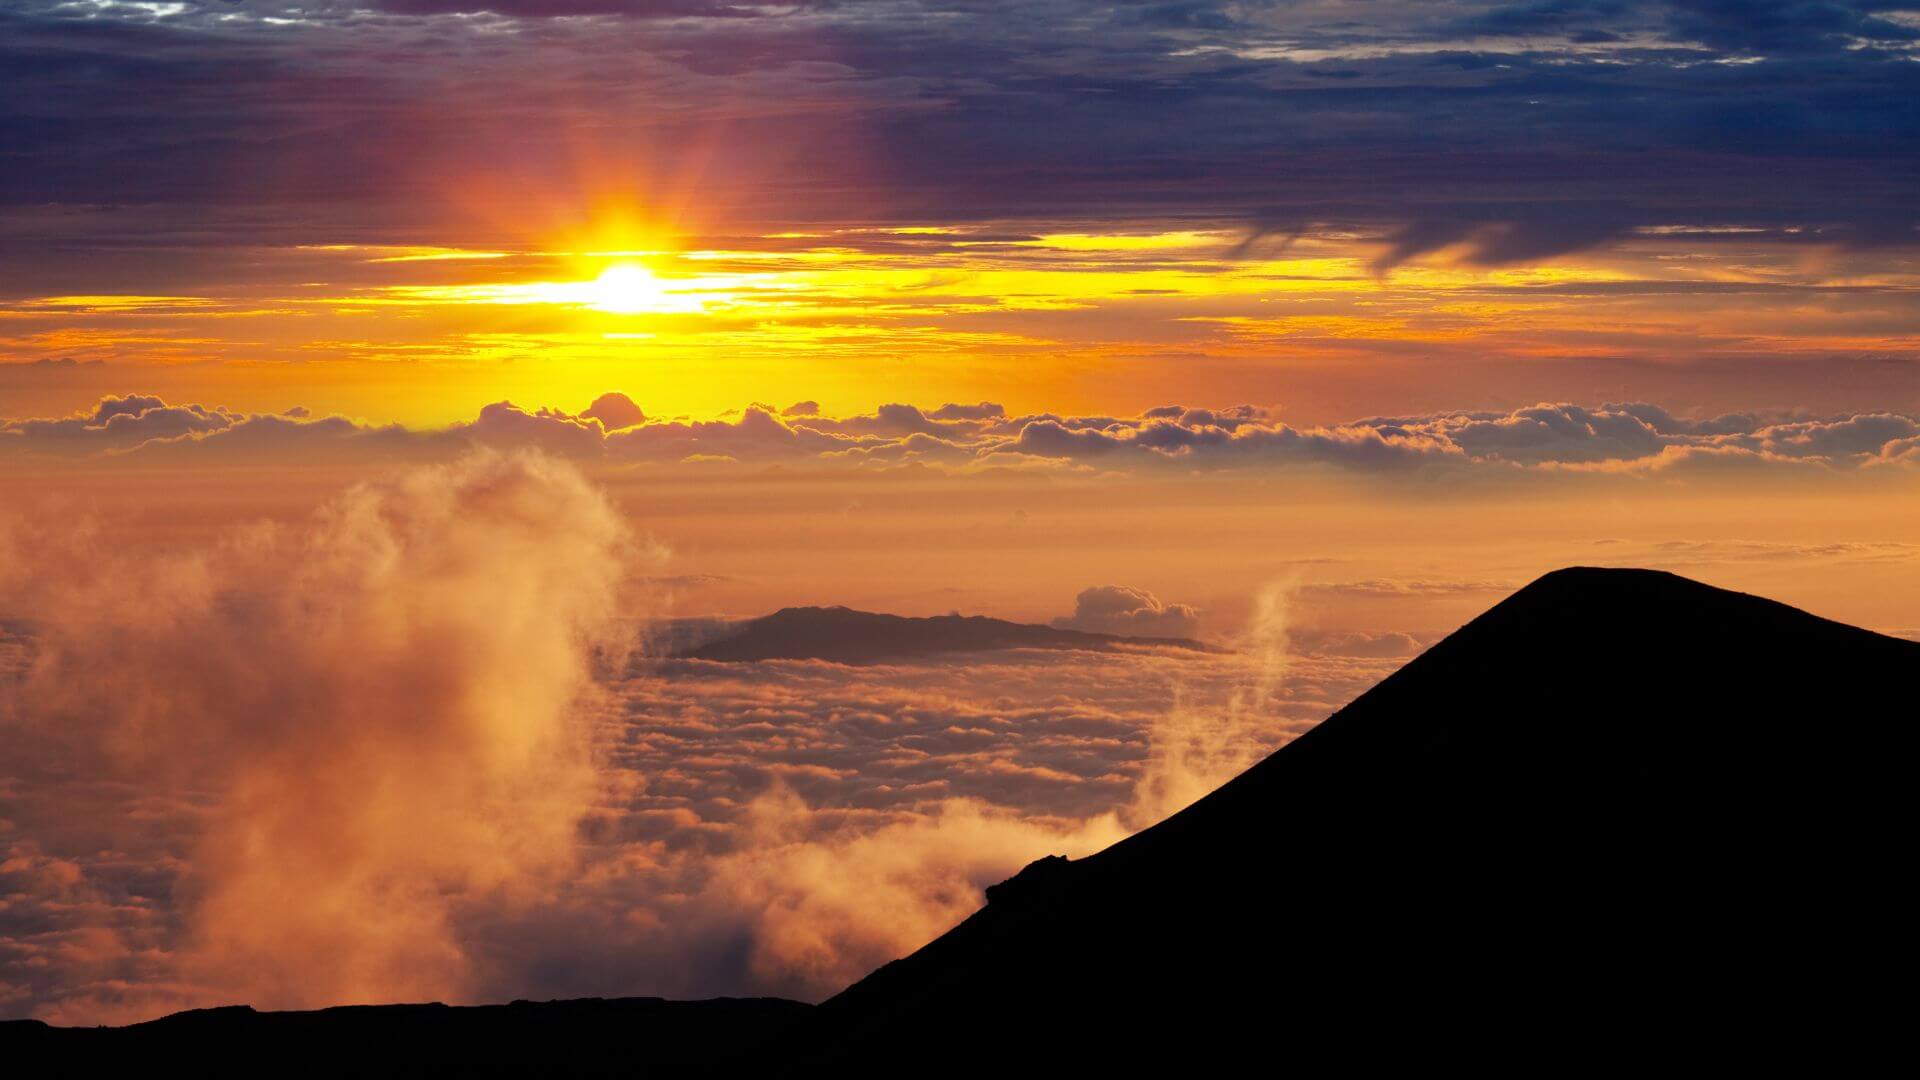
(1631, 437)
(393, 752)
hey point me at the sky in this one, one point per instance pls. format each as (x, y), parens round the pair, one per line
(373, 372)
(392, 210)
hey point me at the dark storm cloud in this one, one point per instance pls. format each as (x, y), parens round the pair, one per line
(1509, 132)
(1501, 243)
(1794, 27)
(1741, 27)
(1547, 17)
(547, 9)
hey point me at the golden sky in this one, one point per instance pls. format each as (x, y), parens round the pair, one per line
(1081, 322)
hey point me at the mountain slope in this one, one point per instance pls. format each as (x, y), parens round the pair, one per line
(861, 637)
(1620, 803)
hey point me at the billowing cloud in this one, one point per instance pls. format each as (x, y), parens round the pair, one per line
(368, 719)
(614, 411)
(985, 410)
(1122, 609)
(115, 423)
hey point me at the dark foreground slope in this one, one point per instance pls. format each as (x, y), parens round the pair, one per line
(648, 1035)
(864, 637)
(1619, 807)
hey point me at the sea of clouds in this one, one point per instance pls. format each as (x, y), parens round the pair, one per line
(413, 746)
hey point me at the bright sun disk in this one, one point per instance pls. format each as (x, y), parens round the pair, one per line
(629, 289)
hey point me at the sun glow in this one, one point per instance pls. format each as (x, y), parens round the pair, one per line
(622, 288)
(632, 289)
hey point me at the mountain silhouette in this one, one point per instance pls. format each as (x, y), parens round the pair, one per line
(847, 636)
(554, 1037)
(1621, 817)
(1621, 807)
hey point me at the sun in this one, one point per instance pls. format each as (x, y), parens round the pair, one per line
(632, 289)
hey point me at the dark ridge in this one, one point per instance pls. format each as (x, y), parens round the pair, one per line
(846, 636)
(558, 1036)
(1620, 811)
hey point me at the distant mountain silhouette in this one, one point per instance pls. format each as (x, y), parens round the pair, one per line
(862, 637)
(1622, 817)
(554, 1037)
(1619, 808)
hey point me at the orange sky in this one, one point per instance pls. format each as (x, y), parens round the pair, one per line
(1110, 321)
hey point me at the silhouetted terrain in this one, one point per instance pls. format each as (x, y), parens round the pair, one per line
(1621, 815)
(862, 637)
(1619, 806)
(555, 1036)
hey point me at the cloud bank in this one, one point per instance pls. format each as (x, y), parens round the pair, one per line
(1616, 437)
(395, 751)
